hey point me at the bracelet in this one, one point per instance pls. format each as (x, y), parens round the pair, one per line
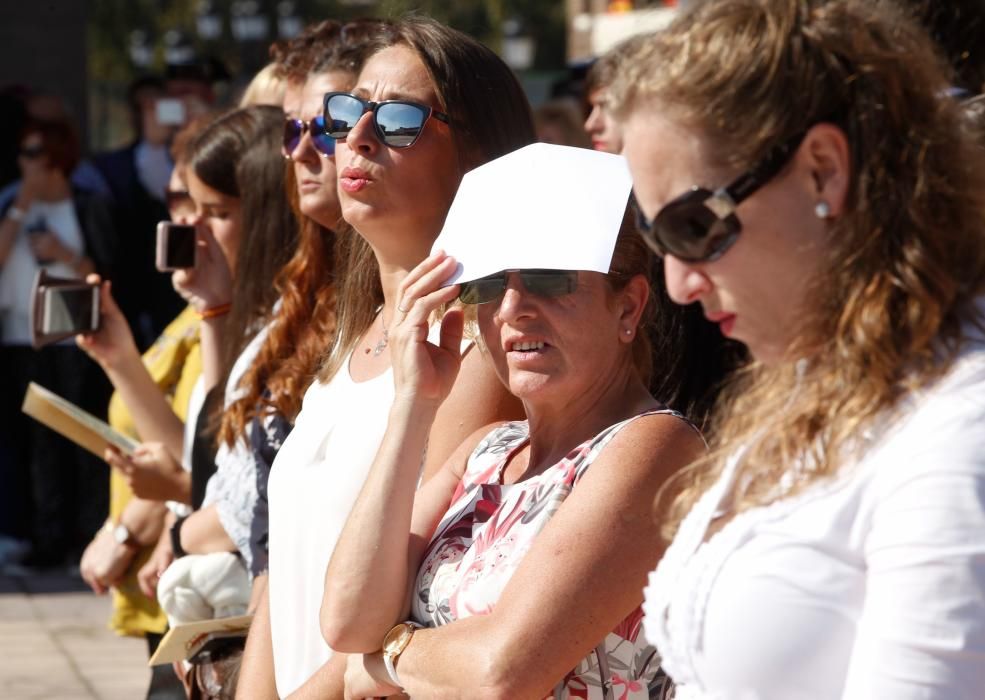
(176, 547)
(214, 311)
(16, 214)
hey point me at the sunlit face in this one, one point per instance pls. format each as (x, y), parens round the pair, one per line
(316, 174)
(600, 126)
(397, 196)
(180, 209)
(756, 290)
(221, 214)
(585, 344)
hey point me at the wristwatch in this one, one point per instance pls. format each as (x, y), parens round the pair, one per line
(122, 535)
(394, 643)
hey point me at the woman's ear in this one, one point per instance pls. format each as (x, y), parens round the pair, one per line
(631, 304)
(828, 156)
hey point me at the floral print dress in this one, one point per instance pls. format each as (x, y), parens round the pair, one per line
(488, 529)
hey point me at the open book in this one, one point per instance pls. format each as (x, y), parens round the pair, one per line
(184, 642)
(67, 419)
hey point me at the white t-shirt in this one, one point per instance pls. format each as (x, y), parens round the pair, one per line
(313, 485)
(866, 587)
(17, 275)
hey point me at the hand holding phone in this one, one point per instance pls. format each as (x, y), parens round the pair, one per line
(62, 308)
(170, 111)
(176, 247)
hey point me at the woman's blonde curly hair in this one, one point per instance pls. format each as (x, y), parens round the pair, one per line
(890, 308)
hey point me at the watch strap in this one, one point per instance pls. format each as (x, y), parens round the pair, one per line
(176, 547)
(391, 669)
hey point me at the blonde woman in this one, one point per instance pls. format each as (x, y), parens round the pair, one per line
(806, 179)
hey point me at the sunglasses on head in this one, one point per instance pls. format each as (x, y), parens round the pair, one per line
(32, 151)
(397, 123)
(542, 283)
(294, 130)
(700, 225)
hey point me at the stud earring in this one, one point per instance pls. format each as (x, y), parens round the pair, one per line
(628, 331)
(822, 210)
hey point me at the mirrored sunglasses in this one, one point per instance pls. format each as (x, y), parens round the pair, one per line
(700, 225)
(542, 283)
(397, 123)
(294, 130)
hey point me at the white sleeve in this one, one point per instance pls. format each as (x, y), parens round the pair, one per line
(922, 630)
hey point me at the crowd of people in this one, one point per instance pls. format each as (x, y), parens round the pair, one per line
(742, 457)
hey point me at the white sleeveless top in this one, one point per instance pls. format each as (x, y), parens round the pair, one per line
(868, 586)
(313, 485)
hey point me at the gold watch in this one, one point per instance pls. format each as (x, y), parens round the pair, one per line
(394, 643)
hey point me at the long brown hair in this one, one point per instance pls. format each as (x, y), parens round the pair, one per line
(305, 322)
(472, 83)
(891, 306)
(239, 156)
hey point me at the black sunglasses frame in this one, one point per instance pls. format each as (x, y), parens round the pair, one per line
(528, 277)
(31, 152)
(314, 129)
(374, 107)
(704, 209)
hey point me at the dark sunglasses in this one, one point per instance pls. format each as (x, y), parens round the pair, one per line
(700, 225)
(31, 152)
(294, 129)
(398, 123)
(542, 283)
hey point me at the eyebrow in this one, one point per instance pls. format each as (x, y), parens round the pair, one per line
(394, 95)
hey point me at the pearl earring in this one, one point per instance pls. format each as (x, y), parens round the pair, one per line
(628, 331)
(822, 210)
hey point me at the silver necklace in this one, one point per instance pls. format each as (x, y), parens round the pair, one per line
(382, 342)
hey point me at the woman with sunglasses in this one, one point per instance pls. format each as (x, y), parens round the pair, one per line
(831, 219)
(524, 557)
(399, 167)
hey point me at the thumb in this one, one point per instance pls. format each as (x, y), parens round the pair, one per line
(452, 330)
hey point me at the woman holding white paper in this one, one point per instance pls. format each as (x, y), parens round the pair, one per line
(525, 556)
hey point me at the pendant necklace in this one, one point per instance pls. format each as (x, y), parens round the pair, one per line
(382, 342)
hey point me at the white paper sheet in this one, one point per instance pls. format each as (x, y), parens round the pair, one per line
(542, 206)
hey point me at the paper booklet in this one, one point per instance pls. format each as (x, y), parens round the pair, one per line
(185, 641)
(67, 419)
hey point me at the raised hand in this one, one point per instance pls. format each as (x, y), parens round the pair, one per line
(423, 372)
(112, 346)
(210, 282)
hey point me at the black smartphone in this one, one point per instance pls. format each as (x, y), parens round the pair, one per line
(70, 309)
(175, 246)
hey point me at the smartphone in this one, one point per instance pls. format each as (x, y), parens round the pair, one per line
(70, 309)
(175, 246)
(170, 112)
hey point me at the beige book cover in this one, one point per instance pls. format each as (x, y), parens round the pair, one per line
(184, 641)
(67, 419)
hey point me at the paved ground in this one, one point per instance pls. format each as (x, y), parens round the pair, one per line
(54, 644)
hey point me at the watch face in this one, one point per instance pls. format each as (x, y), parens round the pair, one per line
(397, 638)
(121, 534)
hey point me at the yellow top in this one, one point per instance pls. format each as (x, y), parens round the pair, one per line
(175, 363)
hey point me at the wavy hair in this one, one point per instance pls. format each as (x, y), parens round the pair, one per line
(305, 322)
(889, 310)
(471, 83)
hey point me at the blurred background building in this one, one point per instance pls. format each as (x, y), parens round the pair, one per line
(87, 51)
